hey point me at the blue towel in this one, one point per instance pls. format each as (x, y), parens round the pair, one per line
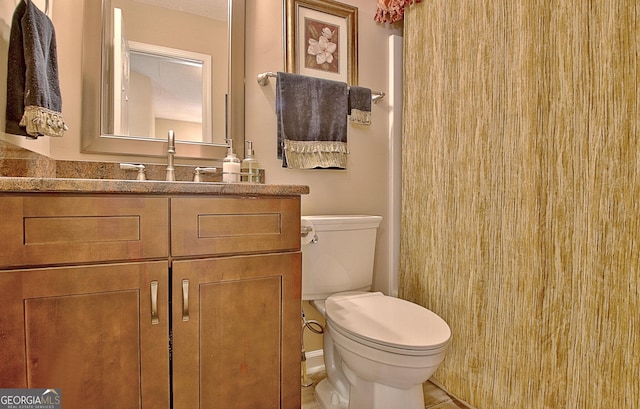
(360, 105)
(34, 102)
(312, 122)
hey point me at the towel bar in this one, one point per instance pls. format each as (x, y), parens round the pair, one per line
(263, 80)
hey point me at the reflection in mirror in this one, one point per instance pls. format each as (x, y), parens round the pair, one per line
(161, 89)
(138, 96)
(163, 65)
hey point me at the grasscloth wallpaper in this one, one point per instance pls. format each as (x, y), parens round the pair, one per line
(521, 197)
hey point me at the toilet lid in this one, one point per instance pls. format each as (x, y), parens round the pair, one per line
(388, 321)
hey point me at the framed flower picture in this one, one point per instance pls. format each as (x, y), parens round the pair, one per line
(322, 39)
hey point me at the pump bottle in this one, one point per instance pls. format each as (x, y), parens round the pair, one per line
(230, 165)
(250, 166)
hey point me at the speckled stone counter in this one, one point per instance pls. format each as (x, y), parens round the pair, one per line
(62, 185)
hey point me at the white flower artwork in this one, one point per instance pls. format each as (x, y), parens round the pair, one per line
(322, 50)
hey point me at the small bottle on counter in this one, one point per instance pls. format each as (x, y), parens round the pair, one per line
(231, 166)
(250, 166)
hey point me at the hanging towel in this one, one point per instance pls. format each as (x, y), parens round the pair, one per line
(360, 105)
(312, 122)
(34, 103)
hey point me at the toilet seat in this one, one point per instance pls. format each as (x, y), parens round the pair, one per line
(387, 323)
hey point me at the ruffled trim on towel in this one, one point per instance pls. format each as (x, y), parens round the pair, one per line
(315, 154)
(42, 121)
(360, 117)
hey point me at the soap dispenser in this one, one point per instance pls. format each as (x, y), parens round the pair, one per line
(230, 165)
(250, 166)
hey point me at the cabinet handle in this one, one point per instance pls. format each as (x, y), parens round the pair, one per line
(185, 300)
(154, 303)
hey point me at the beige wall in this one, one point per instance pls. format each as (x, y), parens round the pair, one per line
(521, 216)
(364, 187)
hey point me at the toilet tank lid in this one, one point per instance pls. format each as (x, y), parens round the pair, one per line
(343, 222)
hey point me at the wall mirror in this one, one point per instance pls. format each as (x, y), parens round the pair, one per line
(150, 66)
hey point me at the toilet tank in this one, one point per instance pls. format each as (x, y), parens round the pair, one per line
(340, 256)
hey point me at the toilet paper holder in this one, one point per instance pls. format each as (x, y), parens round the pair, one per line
(305, 231)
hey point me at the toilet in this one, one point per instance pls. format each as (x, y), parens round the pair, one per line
(378, 350)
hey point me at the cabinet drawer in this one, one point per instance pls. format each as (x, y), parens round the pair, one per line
(222, 225)
(48, 229)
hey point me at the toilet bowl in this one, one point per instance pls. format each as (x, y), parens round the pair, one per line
(378, 350)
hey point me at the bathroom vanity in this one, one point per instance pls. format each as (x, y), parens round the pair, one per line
(128, 294)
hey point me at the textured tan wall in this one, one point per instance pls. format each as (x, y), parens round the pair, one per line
(521, 197)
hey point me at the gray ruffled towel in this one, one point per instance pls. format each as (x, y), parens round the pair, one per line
(312, 122)
(34, 103)
(360, 105)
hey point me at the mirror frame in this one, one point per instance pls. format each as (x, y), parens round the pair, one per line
(93, 141)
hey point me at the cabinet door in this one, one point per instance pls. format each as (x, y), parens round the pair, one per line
(236, 332)
(92, 331)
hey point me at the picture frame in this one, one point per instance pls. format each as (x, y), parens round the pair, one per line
(322, 39)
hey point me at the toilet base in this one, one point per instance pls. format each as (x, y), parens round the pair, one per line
(381, 397)
(327, 396)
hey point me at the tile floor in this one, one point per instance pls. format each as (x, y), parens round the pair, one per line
(434, 397)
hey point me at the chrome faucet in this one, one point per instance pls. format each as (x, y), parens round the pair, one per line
(171, 151)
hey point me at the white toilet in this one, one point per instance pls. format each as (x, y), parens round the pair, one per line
(378, 350)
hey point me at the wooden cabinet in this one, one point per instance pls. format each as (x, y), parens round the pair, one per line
(81, 329)
(77, 312)
(236, 341)
(130, 301)
(236, 302)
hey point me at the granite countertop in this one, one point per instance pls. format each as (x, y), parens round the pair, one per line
(63, 185)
